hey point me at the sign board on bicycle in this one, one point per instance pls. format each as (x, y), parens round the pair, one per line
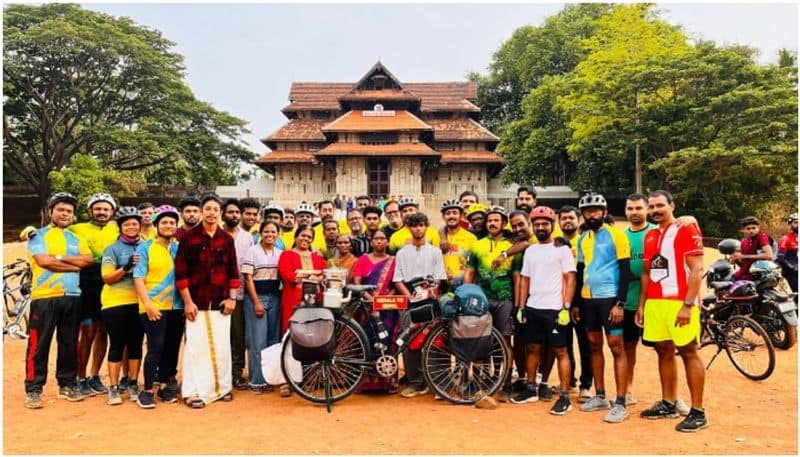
(390, 302)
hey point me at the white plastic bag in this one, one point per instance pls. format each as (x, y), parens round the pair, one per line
(271, 365)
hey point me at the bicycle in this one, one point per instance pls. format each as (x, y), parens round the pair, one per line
(334, 379)
(17, 299)
(747, 344)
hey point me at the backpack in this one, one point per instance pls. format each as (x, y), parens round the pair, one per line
(471, 337)
(312, 334)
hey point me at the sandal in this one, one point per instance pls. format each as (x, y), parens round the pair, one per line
(228, 397)
(194, 403)
(285, 391)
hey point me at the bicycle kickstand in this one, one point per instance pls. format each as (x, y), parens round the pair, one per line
(713, 357)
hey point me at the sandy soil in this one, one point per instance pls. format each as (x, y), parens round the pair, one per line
(746, 417)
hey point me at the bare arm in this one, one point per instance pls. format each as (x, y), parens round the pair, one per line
(569, 286)
(49, 262)
(469, 276)
(80, 261)
(524, 286)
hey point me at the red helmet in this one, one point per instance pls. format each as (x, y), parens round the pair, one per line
(543, 212)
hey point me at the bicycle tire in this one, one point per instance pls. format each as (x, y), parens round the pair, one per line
(446, 375)
(741, 337)
(346, 369)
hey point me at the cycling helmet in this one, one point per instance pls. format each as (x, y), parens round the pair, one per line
(498, 210)
(65, 197)
(407, 201)
(476, 208)
(451, 204)
(102, 197)
(728, 246)
(742, 288)
(592, 200)
(749, 220)
(27, 233)
(127, 212)
(188, 201)
(164, 210)
(304, 208)
(792, 217)
(543, 212)
(273, 208)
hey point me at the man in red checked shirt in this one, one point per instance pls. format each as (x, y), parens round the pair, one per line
(207, 277)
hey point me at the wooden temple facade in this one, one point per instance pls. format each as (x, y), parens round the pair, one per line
(379, 137)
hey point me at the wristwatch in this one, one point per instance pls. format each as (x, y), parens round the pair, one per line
(59, 257)
(688, 303)
(505, 254)
(567, 305)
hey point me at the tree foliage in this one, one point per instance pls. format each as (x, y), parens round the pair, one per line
(699, 113)
(76, 81)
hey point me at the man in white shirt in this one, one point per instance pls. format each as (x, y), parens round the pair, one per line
(547, 284)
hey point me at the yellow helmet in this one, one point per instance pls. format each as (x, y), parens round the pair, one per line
(476, 208)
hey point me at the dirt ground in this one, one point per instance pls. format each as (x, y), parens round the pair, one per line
(746, 417)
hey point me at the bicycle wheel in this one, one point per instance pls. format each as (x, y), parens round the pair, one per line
(749, 348)
(345, 370)
(460, 382)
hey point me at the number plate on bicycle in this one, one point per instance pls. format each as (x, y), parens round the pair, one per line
(390, 302)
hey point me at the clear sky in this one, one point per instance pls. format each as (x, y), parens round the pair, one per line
(242, 58)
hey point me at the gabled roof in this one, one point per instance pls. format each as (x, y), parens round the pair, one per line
(386, 94)
(396, 149)
(377, 68)
(374, 121)
(460, 130)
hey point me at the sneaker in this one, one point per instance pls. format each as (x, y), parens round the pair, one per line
(84, 389)
(545, 393)
(696, 420)
(71, 393)
(97, 386)
(33, 400)
(518, 386)
(660, 410)
(145, 400)
(630, 399)
(485, 402)
(594, 404)
(584, 396)
(617, 414)
(239, 383)
(122, 385)
(173, 386)
(562, 406)
(528, 395)
(166, 396)
(682, 407)
(133, 391)
(411, 392)
(114, 396)
(505, 394)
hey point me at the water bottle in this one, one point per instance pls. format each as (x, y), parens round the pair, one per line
(380, 328)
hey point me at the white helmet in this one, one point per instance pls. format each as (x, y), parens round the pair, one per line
(407, 201)
(304, 208)
(592, 200)
(102, 197)
(274, 208)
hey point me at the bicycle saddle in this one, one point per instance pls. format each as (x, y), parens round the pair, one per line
(361, 288)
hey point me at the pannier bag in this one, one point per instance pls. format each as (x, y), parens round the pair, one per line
(471, 337)
(422, 311)
(472, 300)
(312, 332)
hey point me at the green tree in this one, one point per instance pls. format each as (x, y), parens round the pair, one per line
(84, 176)
(76, 81)
(531, 54)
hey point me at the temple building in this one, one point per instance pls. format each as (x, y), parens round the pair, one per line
(380, 136)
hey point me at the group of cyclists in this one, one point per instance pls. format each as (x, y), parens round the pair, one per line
(224, 276)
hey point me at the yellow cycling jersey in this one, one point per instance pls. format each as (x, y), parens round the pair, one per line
(54, 241)
(157, 267)
(458, 248)
(151, 235)
(121, 292)
(402, 237)
(98, 238)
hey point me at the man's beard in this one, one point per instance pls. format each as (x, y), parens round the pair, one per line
(569, 231)
(542, 236)
(524, 207)
(231, 223)
(594, 224)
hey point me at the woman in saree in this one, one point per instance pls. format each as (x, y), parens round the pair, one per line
(377, 268)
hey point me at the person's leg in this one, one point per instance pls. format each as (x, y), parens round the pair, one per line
(237, 345)
(548, 358)
(695, 373)
(617, 347)
(534, 356)
(667, 371)
(562, 358)
(156, 332)
(67, 328)
(116, 326)
(168, 365)
(99, 347)
(586, 356)
(273, 316)
(519, 350)
(42, 325)
(134, 339)
(85, 338)
(573, 381)
(256, 335)
(598, 361)
(412, 361)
